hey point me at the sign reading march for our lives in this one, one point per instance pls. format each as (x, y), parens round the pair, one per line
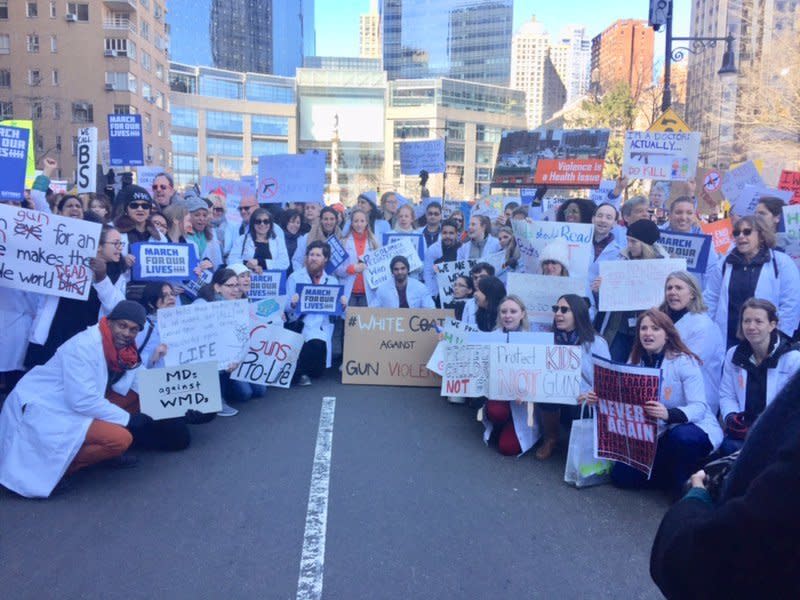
(624, 432)
(532, 238)
(125, 141)
(694, 247)
(427, 155)
(169, 392)
(668, 156)
(271, 357)
(45, 253)
(291, 178)
(319, 299)
(173, 262)
(379, 259)
(13, 162)
(267, 284)
(416, 239)
(338, 255)
(535, 373)
(635, 284)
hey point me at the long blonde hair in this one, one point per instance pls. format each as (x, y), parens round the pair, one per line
(371, 241)
(524, 324)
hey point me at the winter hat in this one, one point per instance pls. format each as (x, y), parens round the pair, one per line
(126, 310)
(558, 252)
(132, 193)
(238, 268)
(645, 231)
(194, 203)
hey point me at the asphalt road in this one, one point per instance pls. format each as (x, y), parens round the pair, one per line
(418, 508)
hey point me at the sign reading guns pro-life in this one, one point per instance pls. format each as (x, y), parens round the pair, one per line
(663, 156)
(635, 284)
(125, 140)
(533, 237)
(169, 392)
(694, 247)
(319, 299)
(534, 373)
(267, 284)
(45, 253)
(222, 337)
(291, 178)
(87, 160)
(13, 162)
(624, 432)
(173, 262)
(540, 293)
(271, 358)
(378, 261)
(426, 155)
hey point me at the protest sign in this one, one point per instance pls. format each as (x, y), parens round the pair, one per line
(195, 283)
(541, 292)
(693, 247)
(448, 272)
(172, 262)
(790, 237)
(526, 196)
(338, 255)
(319, 299)
(708, 190)
(145, 176)
(59, 186)
(271, 357)
(267, 284)
(379, 259)
(232, 190)
(268, 310)
(425, 155)
(454, 333)
(30, 165)
(551, 203)
(747, 200)
(635, 284)
(662, 156)
(416, 240)
(624, 432)
(45, 253)
(86, 152)
(734, 180)
(721, 233)
(291, 178)
(13, 162)
(222, 337)
(466, 371)
(533, 373)
(125, 140)
(391, 346)
(532, 238)
(169, 392)
(790, 181)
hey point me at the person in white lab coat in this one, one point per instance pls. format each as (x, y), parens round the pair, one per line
(480, 243)
(260, 248)
(402, 291)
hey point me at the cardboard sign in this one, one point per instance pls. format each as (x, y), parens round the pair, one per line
(734, 180)
(13, 162)
(531, 373)
(30, 165)
(790, 181)
(541, 292)
(391, 346)
(661, 156)
(448, 272)
(635, 284)
(532, 238)
(466, 371)
(271, 357)
(378, 260)
(425, 155)
(267, 284)
(338, 255)
(125, 140)
(455, 333)
(45, 253)
(59, 186)
(171, 262)
(169, 392)
(669, 121)
(693, 247)
(87, 160)
(721, 233)
(291, 178)
(624, 432)
(205, 331)
(319, 299)
(708, 190)
(747, 200)
(416, 239)
(790, 238)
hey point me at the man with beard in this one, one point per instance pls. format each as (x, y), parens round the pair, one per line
(442, 250)
(402, 291)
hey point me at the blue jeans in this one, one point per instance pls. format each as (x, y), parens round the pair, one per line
(679, 454)
(239, 391)
(730, 445)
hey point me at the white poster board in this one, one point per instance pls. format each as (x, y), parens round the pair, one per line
(540, 293)
(635, 284)
(378, 261)
(169, 392)
(532, 238)
(86, 156)
(667, 156)
(271, 357)
(533, 373)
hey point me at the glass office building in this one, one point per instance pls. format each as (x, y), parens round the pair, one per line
(459, 39)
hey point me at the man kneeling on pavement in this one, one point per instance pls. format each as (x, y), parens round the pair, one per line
(81, 408)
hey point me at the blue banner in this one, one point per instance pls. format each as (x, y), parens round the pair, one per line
(526, 195)
(125, 140)
(338, 255)
(196, 282)
(13, 162)
(416, 238)
(694, 247)
(170, 262)
(267, 284)
(319, 299)
(426, 155)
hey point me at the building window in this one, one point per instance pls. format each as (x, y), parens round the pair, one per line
(149, 153)
(162, 157)
(144, 29)
(265, 148)
(74, 145)
(79, 9)
(160, 100)
(3, 9)
(224, 121)
(161, 128)
(124, 109)
(36, 109)
(146, 63)
(159, 71)
(82, 112)
(146, 91)
(53, 44)
(57, 111)
(53, 9)
(55, 76)
(217, 146)
(5, 78)
(32, 42)
(58, 144)
(147, 122)
(5, 43)
(184, 117)
(220, 88)
(6, 110)
(132, 87)
(31, 9)
(34, 77)
(184, 144)
(38, 142)
(263, 125)
(145, 3)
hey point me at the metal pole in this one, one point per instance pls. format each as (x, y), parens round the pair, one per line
(444, 173)
(666, 94)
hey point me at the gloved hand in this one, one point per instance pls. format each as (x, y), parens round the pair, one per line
(138, 423)
(737, 425)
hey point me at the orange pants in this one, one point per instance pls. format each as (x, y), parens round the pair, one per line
(106, 440)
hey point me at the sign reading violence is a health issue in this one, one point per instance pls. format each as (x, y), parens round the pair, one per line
(125, 140)
(291, 178)
(660, 156)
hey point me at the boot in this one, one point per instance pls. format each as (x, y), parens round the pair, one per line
(550, 424)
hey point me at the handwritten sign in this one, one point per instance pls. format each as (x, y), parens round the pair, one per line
(13, 162)
(319, 299)
(790, 238)
(378, 261)
(267, 284)
(448, 272)
(708, 190)
(541, 292)
(416, 240)
(45, 253)
(391, 346)
(338, 255)
(790, 181)
(455, 333)
(466, 370)
(533, 373)
(172, 262)
(205, 331)
(721, 233)
(233, 190)
(663, 156)
(169, 392)
(271, 357)
(751, 195)
(291, 178)
(425, 155)
(86, 151)
(734, 181)
(693, 247)
(532, 238)
(125, 140)
(624, 432)
(635, 284)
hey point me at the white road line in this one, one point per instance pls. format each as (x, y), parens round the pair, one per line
(312, 561)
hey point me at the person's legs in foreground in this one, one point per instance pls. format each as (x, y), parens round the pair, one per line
(166, 435)
(499, 413)
(311, 362)
(550, 415)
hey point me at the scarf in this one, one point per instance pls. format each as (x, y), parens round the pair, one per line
(119, 360)
(566, 338)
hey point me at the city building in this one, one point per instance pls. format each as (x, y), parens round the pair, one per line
(262, 36)
(623, 53)
(458, 39)
(190, 41)
(577, 76)
(68, 65)
(222, 121)
(369, 45)
(342, 63)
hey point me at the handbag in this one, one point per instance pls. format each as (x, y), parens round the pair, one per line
(582, 468)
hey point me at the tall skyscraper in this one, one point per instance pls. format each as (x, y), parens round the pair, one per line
(370, 32)
(579, 60)
(262, 36)
(461, 39)
(623, 53)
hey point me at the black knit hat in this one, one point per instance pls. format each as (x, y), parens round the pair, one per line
(645, 231)
(126, 310)
(132, 193)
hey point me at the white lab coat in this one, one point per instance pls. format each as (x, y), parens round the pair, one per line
(17, 311)
(347, 279)
(491, 246)
(315, 327)
(703, 337)
(470, 310)
(244, 249)
(417, 295)
(432, 254)
(45, 419)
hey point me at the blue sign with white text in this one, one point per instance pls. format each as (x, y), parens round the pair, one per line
(338, 255)
(125, 140)
(13, 162)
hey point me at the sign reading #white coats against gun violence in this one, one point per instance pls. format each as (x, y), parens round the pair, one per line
(669, 156)
(45, 253)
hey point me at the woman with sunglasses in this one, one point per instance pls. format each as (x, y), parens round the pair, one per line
(260, 248)
(134, 220)
(753, 269)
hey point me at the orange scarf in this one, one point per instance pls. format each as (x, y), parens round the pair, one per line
(118, 360)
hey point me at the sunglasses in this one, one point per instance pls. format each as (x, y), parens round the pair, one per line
(219, 210)
(262, 221)
(743, 231)
(160, 187)
(563, 309)
(143, 205)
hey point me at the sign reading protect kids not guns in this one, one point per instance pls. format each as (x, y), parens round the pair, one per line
(45, 253)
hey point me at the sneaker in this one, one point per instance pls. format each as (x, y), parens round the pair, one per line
(227, 411)
(304, 380)
(123, 461)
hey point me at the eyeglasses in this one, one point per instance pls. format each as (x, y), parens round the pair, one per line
(160, 187)
(564, 309)
(217, 209)
(230, 285)
(142, 205)
(241, 208)
(743, 231)
(115, 244)
(262, 222)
